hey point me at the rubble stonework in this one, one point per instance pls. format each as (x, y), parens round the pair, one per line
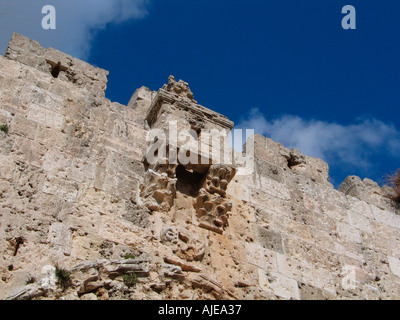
(77, 193)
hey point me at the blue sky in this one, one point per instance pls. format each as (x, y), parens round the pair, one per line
(285, 68)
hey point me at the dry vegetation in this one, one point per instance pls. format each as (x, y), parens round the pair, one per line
(393, 181)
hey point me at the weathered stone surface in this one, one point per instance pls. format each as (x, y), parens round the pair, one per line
(78, 192)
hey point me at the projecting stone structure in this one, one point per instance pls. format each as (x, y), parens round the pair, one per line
(77, 193)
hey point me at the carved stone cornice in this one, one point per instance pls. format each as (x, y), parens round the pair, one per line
(164, 96)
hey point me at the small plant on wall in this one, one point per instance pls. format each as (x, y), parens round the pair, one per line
(63, 277)
(130, 279)
(4, 128)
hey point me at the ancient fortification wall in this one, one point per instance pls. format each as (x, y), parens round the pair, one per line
(76, 192)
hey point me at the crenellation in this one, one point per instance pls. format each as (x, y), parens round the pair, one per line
(275, 153)
(140, 102)
(73, 70)
(78, 190)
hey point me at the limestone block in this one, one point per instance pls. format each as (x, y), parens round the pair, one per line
(270, 239)
(311, 202)
(209, 284)
(137, 214)
(140, 102)
(28, 151)
(315, 169)
(5, 116)
(65, 166)
(348, 232)
(118, 163)
(348, 250)
(280, 285)
(121, 185)
(271, 151)
(129, 134)
(143, 93)
(35, 77)
(7, 168)
(45, 116)
(308, 292)
(261, 257)
(50, 137)
(353, 186)
(310, 267)
(23, 127)
(173, 271)
(60, 236)
(323, 221)
(62, 188)
(88, 296)
(359, 221)
(42, 98)
(79, 72)
(67, 90)
(9, 68)
(302, 183)
(31, 47)
(361, 207)
(269, 170)
(48, 280)
(239, 191)
(270, 202)
(333, 203)
(22, 56)
(101, 202)
(366, 190)
(386, 217)
(118, 230)
(275, 189)
(27, 292)
(10, 89)
(394, 264)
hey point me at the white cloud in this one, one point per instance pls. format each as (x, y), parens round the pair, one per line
(353, 144)
(77, 21)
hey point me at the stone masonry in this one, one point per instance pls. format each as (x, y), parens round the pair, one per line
(76, 193)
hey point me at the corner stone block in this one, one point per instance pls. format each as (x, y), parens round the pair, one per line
(315, 169)
(271, 151)
(24, 50)
(353, 186)
(143, 93)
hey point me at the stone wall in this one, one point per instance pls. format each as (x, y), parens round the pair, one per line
(77, 194)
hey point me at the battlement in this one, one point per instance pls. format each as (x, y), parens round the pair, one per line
(57, 64)
(77, 192)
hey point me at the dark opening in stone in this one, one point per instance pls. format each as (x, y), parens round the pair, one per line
(56, 68)
(189, 181)
(18, 243)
